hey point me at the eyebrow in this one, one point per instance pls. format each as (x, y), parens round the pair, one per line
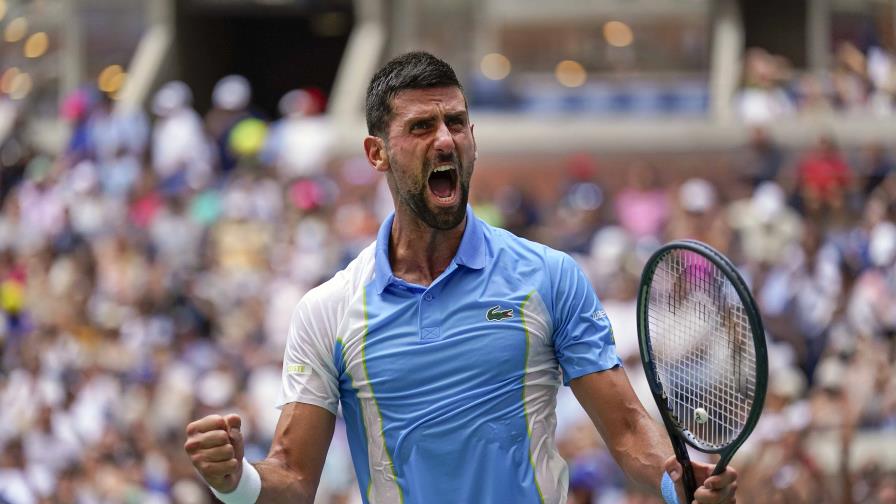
(431, 117)
(460, 114)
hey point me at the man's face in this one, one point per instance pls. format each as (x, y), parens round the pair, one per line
(431, 151)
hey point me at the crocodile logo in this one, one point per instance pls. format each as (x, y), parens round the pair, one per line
(495, 313)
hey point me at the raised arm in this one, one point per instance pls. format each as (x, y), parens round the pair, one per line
(291, 471)
(639, 444)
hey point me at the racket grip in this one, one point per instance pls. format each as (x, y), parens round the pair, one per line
(688, 481)
(720, 468)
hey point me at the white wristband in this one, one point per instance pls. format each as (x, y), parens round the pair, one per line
(246, 491)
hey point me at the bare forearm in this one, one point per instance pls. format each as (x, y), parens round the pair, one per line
(641, 449)
(292, 469)
(638, 443)
(280, 484)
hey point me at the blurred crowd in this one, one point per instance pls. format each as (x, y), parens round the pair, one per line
(858, 82)
(813, 234)
(149, 271)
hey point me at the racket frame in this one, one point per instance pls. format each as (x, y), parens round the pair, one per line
(677, 432)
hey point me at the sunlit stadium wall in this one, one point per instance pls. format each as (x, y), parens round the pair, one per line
(643, 75)
(543, 78)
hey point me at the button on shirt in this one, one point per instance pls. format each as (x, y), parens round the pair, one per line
(449, 390)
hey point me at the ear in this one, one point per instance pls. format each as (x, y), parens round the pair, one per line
(375, 150)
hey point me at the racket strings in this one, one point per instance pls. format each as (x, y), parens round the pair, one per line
(703, 348)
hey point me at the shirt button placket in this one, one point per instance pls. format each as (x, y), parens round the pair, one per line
(429, 323)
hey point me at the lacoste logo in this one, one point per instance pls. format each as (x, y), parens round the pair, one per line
(495, 313)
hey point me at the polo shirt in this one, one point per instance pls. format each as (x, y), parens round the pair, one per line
(448, 391)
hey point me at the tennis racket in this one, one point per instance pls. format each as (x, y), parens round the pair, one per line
(703, 350)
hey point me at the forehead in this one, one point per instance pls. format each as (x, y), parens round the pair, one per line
(412, 102)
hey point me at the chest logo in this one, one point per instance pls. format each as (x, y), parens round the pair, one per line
(495, 313)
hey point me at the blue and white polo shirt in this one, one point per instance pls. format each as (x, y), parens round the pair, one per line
(449, 391)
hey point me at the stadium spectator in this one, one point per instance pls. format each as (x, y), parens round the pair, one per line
(813, 97)
(763, 98)
(696, 215)
(231, 98)
(117, 140)
(764, 159)
(299, 143)
(870, 304)
(850, 78)
(877, 167)
(823, 178)
(181, 154)
(882, 75)
(642, 205)
(14, 150)
(765, 226)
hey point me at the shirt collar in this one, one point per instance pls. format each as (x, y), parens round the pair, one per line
(470, 252)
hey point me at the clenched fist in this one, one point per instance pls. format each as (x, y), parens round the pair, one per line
(215, 446)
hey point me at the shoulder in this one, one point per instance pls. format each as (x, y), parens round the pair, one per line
(529, 258)
(502, 241)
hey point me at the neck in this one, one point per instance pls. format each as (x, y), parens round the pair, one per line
(418, 253)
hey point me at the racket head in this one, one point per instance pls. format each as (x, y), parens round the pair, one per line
(702, 345)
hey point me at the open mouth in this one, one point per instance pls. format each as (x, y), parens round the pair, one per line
(443, 183)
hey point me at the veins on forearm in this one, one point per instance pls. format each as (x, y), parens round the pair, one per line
(279, 484)
(643, 450)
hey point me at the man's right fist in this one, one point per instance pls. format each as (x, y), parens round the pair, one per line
(215, 446)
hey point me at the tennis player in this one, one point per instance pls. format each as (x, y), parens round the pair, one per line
(445, 342)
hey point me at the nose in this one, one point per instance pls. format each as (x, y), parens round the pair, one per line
(444, 142)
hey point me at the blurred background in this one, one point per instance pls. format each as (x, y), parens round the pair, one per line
(176, 174)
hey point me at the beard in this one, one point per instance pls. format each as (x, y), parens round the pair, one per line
(415, 198)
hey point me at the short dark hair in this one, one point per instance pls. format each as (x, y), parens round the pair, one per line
(414, 70)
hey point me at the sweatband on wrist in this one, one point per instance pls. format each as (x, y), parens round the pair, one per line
(246, 491)
(667, 488)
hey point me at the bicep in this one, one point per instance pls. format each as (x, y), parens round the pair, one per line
(302, 439)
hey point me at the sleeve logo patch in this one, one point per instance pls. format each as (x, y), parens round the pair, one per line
(598, 315)
(298, 369)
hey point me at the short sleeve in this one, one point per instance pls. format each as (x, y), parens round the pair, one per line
(309, 374)
(583, 337)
